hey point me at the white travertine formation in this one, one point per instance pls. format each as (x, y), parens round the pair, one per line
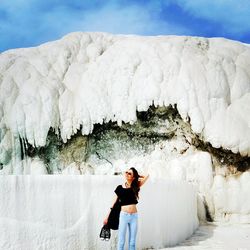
(88, 78)
(67, 212)
(231, 198)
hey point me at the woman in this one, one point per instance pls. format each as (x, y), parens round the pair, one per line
(128, 193)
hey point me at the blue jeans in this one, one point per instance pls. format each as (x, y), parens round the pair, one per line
(130, 221)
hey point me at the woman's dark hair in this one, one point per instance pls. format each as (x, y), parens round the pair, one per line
(135, 183)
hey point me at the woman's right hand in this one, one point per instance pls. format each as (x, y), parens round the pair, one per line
(105, 222)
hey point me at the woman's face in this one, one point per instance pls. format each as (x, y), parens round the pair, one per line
(129, 175)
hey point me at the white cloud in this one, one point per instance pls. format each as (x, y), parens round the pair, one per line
(38, 22)
(133, 19)
(233, 15)
(30, 22)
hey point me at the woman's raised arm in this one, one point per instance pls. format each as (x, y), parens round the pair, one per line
(143, 179)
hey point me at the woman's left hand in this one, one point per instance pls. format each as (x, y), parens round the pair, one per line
(142, 179)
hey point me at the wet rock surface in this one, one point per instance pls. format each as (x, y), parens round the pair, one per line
(109, 142)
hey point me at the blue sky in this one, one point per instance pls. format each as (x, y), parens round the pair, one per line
(26, 23)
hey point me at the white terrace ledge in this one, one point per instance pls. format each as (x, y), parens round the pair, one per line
(66, 212)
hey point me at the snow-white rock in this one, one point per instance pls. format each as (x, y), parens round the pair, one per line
(88, 78)
(231, 198)
(67, 212)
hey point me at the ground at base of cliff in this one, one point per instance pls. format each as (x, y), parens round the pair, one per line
(218, 237)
